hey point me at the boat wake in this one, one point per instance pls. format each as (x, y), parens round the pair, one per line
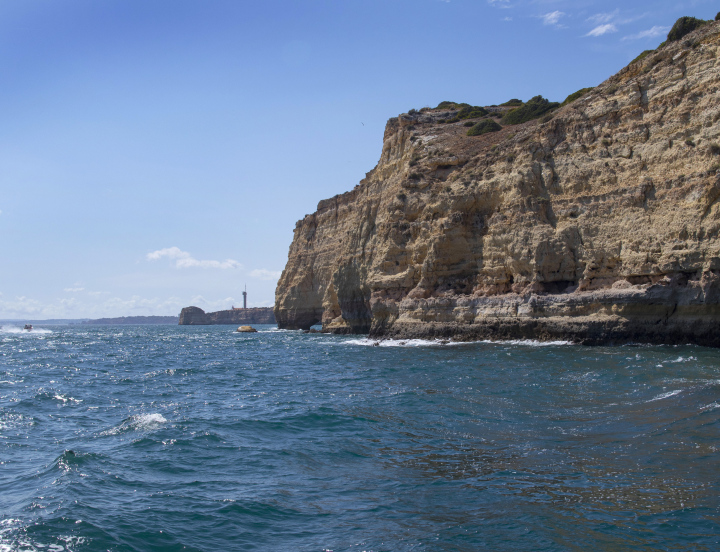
(16, 330)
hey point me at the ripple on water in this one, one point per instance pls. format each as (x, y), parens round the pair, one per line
(193, 438)
(137, 422)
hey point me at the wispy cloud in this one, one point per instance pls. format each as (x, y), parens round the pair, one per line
(603, 30)
(214, 304)
(656, 31)
(600, 18)
(74, 289)
(552, 18)
(499, 3)
(263, 274)
(183, 259)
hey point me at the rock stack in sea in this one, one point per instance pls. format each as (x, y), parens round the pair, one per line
(195, 316)
(597, 222)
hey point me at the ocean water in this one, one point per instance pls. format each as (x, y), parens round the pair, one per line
(198, 438)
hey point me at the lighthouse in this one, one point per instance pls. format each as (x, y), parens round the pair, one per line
(245, 297)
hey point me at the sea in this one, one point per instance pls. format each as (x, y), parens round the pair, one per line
(199, 438)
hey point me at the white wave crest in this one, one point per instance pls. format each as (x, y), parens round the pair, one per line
(666, 395)
(682, 359)
(138, 422)
(399, 342)
(437, 342)
(64, 543)
(65, 399)
(529, 342)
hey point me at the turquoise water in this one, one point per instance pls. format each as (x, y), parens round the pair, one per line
(199, 438)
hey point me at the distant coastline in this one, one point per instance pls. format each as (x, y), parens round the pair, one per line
(133, 320)
(47, 321)
(195, 316)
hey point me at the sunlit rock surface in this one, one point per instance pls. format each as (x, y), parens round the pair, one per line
(599, 225)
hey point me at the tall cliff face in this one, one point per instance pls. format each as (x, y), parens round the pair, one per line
(600, 224)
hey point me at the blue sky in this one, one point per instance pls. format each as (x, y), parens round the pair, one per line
(155, 155)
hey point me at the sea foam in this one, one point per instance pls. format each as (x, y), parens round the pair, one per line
(16, 330)
(368, 342)
(137, 422)
(666, 395)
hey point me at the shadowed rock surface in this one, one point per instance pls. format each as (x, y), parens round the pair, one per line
(598, 223)
(195, 316)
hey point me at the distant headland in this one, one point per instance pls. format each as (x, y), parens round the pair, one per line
(195, 316)
(134, 320)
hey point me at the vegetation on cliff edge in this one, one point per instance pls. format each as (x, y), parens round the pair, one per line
(483, 127)
(538, 106)
(684, 26)
(577, 95)
(534, 108)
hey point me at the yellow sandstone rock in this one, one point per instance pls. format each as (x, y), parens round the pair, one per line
(601, 224)
(246, 329)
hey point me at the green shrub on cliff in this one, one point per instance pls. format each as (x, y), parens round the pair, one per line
(534, 108)
(642, 55)
(483, 127)
(717, 17)
(465, 111)
(452, 105)
(471, 112)
(512, 103)
(684, 26)
(577, 95)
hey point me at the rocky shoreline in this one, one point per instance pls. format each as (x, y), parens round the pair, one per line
(660, 315)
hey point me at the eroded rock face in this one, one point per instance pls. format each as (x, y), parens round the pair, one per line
(599, 225)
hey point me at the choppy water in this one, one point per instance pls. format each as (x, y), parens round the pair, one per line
(198, 438)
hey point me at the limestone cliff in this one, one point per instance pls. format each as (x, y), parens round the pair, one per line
(600, 224)
(195, 316)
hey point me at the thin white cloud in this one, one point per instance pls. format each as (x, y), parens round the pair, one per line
(552, 18)
(600, 18)
(603, 30)
(263, 274)
(27, 307)
(209, 305)
(74, 289)
(507, 18)
(499, 3)
(656, 31)
(183, 259)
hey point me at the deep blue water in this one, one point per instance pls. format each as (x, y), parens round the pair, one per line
(199, 438)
